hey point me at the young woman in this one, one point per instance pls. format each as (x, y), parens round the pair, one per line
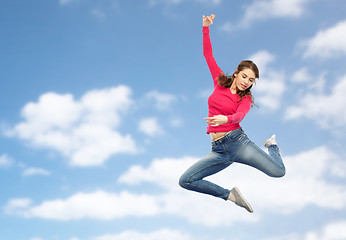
(227, 106)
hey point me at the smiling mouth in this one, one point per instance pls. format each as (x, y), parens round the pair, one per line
(243, 86)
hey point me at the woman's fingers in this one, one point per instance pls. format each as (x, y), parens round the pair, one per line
(211, 120)
(216, 120)
(209, 18)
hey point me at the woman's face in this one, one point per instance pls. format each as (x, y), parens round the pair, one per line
(244, 79)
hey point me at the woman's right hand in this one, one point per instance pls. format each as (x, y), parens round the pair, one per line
(208, 20)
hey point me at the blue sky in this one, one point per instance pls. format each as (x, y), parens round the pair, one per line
(102, 106)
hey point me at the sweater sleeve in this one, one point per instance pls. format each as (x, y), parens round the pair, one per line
(243, 109)
(208, 55)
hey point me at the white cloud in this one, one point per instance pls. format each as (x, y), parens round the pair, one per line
(176, 122)
(268, 9)
(5, 160)
(163, 101)
(269, 89)
(84, 131)
(262, 59)
(331, 231)
(17, 206)
(35, 171)
(327, 43)
(302, 76)
(305, 181)
(227, 27)
(97, 205)
(162, 234)
(158, 169)
(150, 126)
(177, 201)
(326, 110)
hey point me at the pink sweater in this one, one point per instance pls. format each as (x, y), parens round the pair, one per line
(222, 101)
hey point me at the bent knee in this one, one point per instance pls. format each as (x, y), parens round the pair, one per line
(280, 173)
(184, 182)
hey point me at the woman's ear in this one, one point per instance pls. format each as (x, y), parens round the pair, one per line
(235, 73)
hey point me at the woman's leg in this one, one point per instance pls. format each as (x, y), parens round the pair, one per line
(250, 154)
(192, 179)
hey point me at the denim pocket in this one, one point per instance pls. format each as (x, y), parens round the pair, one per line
(235, 135)
(217, 147)
(213, 146)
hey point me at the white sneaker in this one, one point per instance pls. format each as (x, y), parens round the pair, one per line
(270, 141)
(240, 200)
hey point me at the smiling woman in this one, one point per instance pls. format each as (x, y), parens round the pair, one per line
(227, 106)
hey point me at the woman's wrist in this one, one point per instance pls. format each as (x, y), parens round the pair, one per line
(229, 118)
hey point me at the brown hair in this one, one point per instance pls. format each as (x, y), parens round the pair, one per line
(226, 81)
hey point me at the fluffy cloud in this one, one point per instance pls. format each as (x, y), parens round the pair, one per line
(267, 9)
(162, 101)
(84, 131)
(328, 113)
(17, 206)
(150, 126)
(5, 160)
(163, 234)
(176, 122)
(158, 169)
(177, 201)
(331, 231)
(98, 205)
(311, 82)
(302, 76)
(327, 43)
(305, 181)
(35, 171)
(269, 88)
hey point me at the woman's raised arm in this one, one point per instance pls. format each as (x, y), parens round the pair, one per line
(207, 48)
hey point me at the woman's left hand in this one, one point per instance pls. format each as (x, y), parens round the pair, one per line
(217, 120)
(208, 20)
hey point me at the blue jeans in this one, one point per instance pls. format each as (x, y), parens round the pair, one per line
(233, 147)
